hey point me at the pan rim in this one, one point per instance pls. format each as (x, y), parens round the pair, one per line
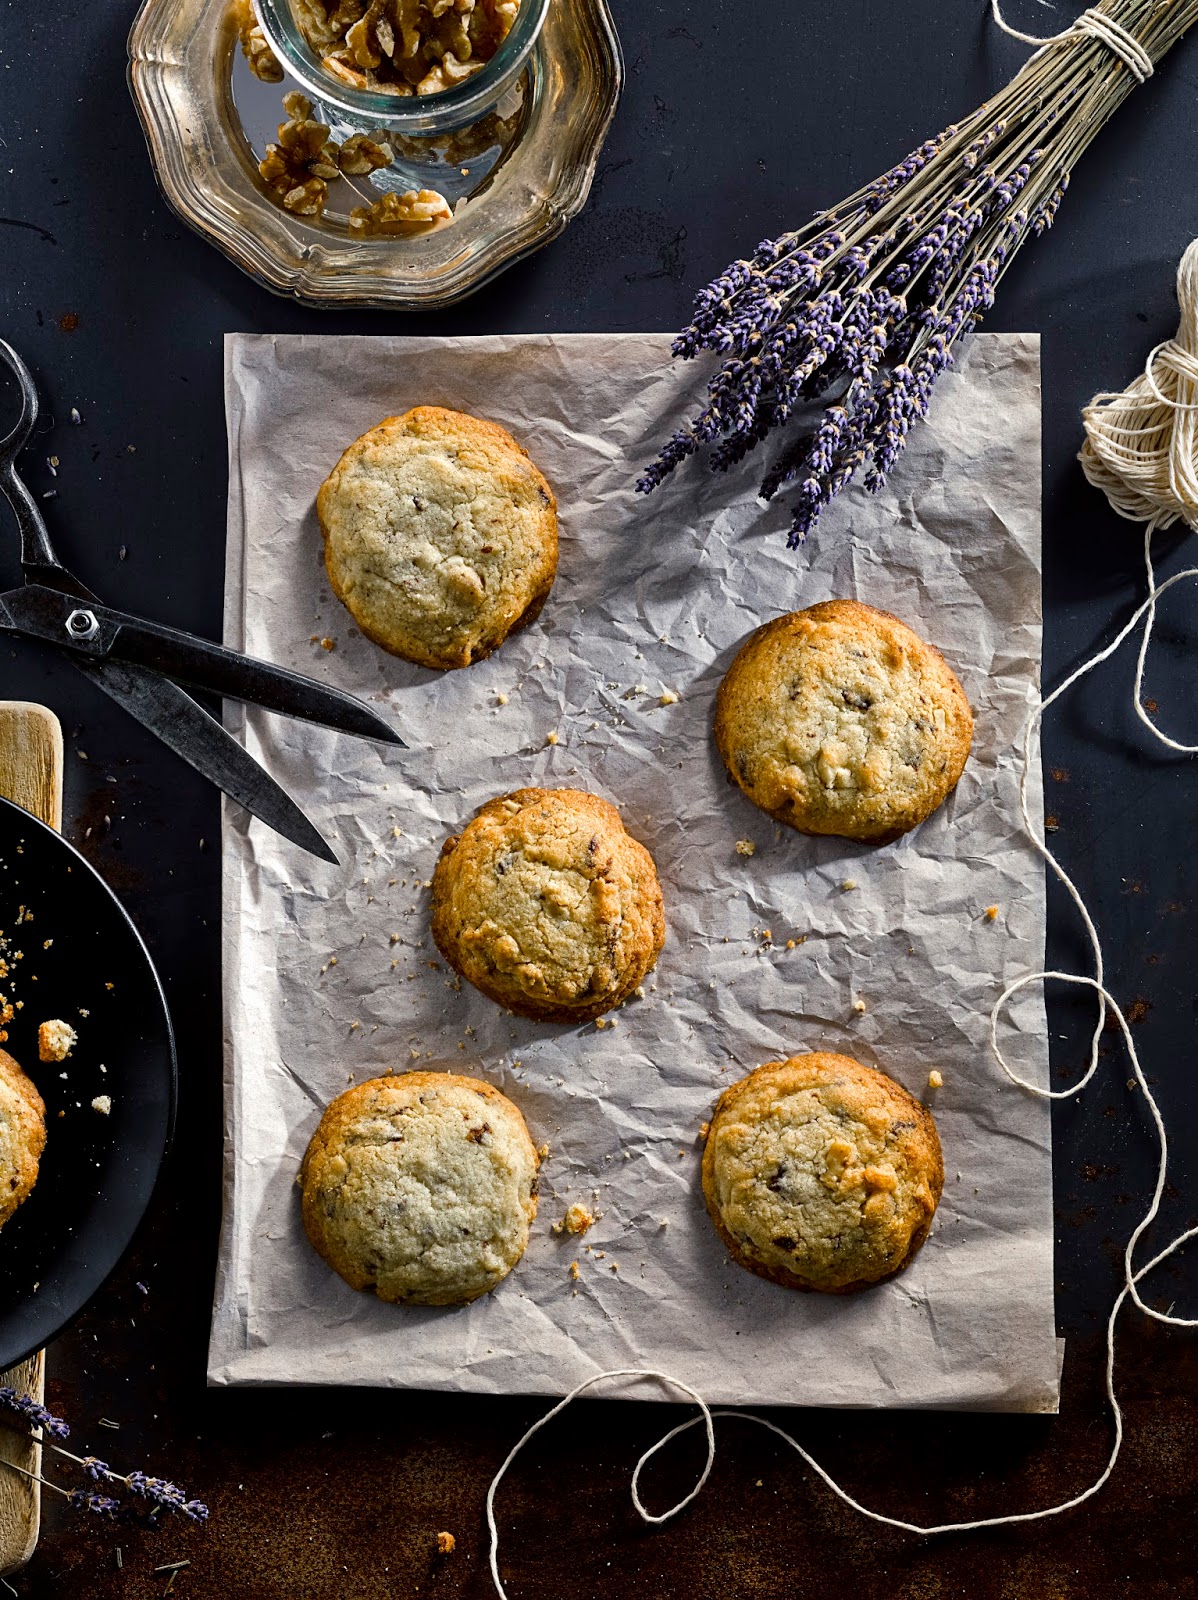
(92, 1281)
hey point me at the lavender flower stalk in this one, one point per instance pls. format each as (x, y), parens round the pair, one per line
(862, 309)
(158, 1493)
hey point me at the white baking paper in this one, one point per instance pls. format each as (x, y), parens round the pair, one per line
(652, 600)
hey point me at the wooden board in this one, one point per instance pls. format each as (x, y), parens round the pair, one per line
(30, 775)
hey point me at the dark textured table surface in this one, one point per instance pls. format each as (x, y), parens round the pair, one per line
(736, 121)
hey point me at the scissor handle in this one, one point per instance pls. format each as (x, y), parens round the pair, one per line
(36, 549)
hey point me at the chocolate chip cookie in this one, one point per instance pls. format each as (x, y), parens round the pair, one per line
(421, 1187)
(841, 720)
(547, 904)
(821, 1173)
(440, 536)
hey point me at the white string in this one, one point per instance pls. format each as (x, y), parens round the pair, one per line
(1097, 25)
(1142, 450)
(637, 1373)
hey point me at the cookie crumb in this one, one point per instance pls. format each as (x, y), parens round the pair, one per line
(935, 1079)
(55, 1040)
(991, 913)
(575, 1273)
(848, 884)
(577, 1220)
(668, 698)
(859, 1007)
(551, 738)
(328, 644)
(501, 699)
(745, 847)
(446, 1544)
(103, 1104)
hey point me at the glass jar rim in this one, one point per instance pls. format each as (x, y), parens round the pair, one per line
(412, 114)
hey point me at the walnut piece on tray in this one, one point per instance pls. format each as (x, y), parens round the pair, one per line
(394, 215)
(300, 166)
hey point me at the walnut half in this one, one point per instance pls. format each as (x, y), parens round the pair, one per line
(416, 211)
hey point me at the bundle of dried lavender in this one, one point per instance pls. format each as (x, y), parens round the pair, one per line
(157, 1494)
(863, 306)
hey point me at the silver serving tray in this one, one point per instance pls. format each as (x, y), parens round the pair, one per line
(189, 85)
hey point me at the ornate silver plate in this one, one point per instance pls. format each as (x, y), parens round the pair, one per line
(206, 120)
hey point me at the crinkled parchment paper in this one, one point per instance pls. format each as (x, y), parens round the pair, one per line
(652, 599)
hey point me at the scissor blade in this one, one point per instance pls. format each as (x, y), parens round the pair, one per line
(46, 610)
(190, 732)
(204, 665)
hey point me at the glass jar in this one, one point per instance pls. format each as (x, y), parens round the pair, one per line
(449, 142)
(413, 116)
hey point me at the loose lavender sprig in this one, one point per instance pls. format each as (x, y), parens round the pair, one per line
(864, 308)
(29, 1411)
(158, 1493)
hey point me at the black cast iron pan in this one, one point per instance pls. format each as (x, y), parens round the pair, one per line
(83, 962)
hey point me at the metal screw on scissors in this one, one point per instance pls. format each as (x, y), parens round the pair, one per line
(82, 625)
(141, 664)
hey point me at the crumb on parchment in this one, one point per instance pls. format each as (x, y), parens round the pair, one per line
(991, 913)
(55, 1040)
(745, 847)
(668, 698)
(446, 1544)
(577, 1220)
(935, 1080)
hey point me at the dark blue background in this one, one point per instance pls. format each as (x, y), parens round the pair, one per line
(736, 122)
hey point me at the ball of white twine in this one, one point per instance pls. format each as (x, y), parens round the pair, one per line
(1141, 451)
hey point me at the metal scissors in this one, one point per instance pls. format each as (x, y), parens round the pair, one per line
(141, 664)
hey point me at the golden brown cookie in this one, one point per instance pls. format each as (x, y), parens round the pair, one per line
(440, 536)
(547, 905)
(421, 1187)
(821, 1173)
(839, 719)
(22, 1135)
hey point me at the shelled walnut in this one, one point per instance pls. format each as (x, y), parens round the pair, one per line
(261, 58)
(361, 154)
(298, 169)
(416, 211)
(405, 47)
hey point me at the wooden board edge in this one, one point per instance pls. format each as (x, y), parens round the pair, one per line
(31, 772)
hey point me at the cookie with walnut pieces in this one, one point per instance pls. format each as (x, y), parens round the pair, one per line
(841, 720)
(421, 1186)
(22, 1135)
(548, 905)
(822, 1173)
(440, 536)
